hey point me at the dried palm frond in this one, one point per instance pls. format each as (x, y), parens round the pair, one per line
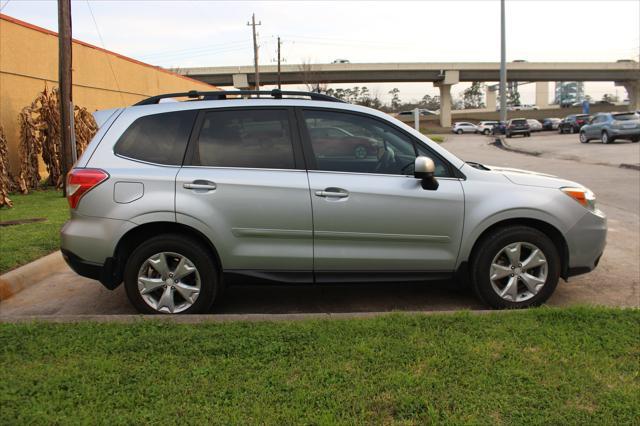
(5, 181)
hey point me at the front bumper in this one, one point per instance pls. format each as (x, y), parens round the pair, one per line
(586, 242)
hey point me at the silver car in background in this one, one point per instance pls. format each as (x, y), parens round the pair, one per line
(179, 199)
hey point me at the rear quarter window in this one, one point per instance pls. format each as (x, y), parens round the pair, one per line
(158, 138)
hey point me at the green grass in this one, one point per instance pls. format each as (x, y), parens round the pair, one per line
(20, 244)
(542, 366)
(436, 138)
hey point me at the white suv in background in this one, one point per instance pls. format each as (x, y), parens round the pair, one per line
(485, 127)
(464, 127)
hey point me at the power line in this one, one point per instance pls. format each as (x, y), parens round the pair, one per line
(5, 5)
(107, 55)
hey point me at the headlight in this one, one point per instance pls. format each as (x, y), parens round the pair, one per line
(581, 195)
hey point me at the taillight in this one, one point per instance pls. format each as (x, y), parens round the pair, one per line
(81, 181)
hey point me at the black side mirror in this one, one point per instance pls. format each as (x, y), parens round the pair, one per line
(424, 168)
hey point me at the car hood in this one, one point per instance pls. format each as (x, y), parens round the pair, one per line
(528, 178)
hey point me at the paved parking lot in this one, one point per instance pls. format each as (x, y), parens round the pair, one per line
(568, 147)
(616, 282)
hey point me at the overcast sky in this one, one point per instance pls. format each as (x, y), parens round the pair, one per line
(215, 33)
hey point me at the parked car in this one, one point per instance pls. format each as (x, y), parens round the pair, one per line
(525, 107)
(573, 123)
(179, 200)
(485, 127)
(500, 128)
(464, 127)
(550, 123)
(340, 142)
(518, 126)
(423, 112)
(534, 125)
(609, 126)
(341, 61)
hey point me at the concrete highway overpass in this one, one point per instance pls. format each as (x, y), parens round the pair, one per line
(442, 74)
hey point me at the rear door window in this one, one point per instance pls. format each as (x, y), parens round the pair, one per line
(158, 138)
(259, 138)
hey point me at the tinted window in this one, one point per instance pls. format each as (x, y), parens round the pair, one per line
(245, 138)
(625, 116)
(362, 144)
(519, 122)
(158, 138)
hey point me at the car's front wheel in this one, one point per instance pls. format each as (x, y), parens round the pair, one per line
(171, 274)
(486, 132)
(583, 138)
(605, 138)
(515, 267)
(459, 131)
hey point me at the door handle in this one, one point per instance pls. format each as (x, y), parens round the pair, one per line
(209, 186)
(332, 192)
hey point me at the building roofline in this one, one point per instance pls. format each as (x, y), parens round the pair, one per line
(91, 46)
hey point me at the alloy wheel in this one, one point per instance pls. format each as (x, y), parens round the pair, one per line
(518, 272)
(169, 282)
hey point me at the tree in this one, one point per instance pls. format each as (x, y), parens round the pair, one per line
(395, 98)
(472, 97)
(429, 102)
(608, 97)
(513, 97)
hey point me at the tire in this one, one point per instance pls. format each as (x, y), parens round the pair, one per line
(583, 138)
(560, 130)
(360, 152)
(634, 140)
(572, 130)
(170, 246)
(604, 138)
(486, 132)
(508, 134)
(492, 248)
(459, 132)
(528, 134)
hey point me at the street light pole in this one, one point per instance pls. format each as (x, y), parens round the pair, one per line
(503, 66)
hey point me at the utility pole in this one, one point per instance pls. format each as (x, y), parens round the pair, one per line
(64, 88)
(279, 85)
(503, 66)
(255, 49)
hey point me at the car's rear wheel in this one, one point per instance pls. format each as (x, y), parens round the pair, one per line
(171, 274)
(605, 137)
(486, 132)
(459, 131)
(515, 267)
(583, 138)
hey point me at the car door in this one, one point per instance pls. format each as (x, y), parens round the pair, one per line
(595, 127)
(370, 214)
(244, 185)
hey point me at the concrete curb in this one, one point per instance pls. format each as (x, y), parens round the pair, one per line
(219, 318)
(501, 142)
(20, 278)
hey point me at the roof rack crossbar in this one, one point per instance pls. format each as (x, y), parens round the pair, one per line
(223, 94)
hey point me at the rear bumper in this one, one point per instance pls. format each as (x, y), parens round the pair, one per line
(624, 133)
(107, 274)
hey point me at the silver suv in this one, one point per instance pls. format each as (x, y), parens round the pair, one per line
(179, 199)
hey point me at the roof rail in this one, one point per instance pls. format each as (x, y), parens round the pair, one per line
(223, 94)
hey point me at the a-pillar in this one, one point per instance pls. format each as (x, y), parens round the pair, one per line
(542, 94)
(491, 95)
(450, 78)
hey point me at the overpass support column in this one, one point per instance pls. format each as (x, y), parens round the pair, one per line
(491, 94)
(633, 91)
(450, 78)
(542, 94)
